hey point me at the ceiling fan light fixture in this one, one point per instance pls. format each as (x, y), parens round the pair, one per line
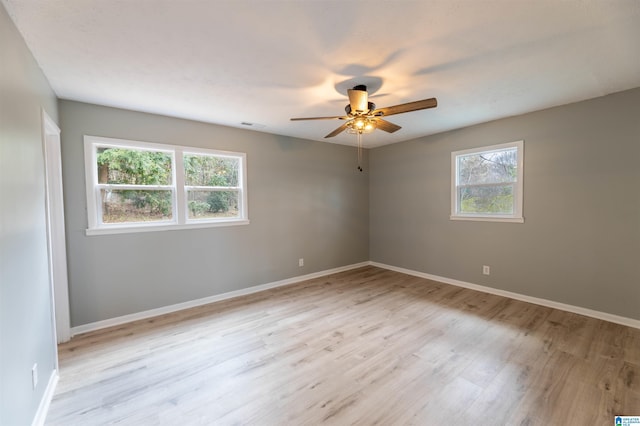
(362, 116)
(361, 125)
(370, 126)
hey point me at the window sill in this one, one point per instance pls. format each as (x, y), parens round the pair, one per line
(130, 229)
(488, 219)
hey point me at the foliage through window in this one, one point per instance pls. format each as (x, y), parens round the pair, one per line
(211, 184)
(487, 183)
(142, 186)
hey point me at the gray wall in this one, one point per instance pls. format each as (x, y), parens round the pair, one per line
(580, 243)
(306, 199)
(26, 333)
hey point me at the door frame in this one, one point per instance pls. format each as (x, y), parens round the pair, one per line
(56, 240)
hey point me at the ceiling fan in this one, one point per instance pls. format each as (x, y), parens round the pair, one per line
(363, 117)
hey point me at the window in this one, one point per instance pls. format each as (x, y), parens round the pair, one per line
(137, 186)
(486, 183)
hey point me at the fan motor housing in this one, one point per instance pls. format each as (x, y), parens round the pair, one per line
(370, 105)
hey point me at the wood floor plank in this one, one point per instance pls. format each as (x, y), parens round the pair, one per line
(363, 347)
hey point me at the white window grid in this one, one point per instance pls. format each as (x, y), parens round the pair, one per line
(517, 186)
(180, 218)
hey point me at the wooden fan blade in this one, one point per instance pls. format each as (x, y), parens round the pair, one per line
(337, 131)
(386, 125)
(358, 99)
(336, 117)
(408, 107)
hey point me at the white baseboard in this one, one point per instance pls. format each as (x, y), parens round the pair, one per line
(630, 322)
(43, 407)
(85, 328)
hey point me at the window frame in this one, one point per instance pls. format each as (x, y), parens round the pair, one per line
(180, 215)
(518, 186)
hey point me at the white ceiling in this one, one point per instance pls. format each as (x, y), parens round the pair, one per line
(233, 61)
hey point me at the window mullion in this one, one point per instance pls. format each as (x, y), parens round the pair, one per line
(485, 185)
(180, 191)
(123, 187)
(212, 188)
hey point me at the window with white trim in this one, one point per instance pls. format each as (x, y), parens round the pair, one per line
(486, 183)
(139, 186)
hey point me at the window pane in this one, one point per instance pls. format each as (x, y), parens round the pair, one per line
(486, 199)
(133, 167)
(212, 204)
(122, 206)
(208, 170)
(488, 167)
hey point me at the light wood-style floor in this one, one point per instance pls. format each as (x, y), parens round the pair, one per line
(365, 347)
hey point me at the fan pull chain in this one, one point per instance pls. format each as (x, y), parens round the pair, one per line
(359, 135)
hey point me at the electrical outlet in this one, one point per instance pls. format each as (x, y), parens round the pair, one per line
(34, 375)
(486, 270)
(301, 262)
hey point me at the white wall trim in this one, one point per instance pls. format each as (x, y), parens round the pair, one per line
(630, 322)
(45, 402)
(85, 328)
(56, 238)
